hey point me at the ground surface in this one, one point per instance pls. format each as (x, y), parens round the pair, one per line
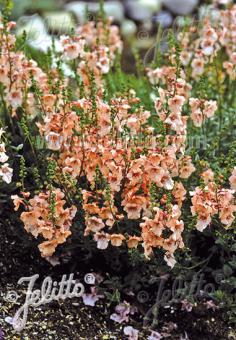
(70, 319)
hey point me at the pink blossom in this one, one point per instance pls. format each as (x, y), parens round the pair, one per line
(186, 305)
(155, 336)
(92, 298)
(131, 332)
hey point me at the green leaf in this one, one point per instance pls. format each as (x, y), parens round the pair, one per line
(18, 148)
(227, 270)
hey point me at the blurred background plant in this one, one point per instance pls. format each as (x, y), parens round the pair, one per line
(139, 20)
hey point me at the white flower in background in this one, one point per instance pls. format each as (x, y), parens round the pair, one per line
(5, 171)
(170, 260)
(3, 156)
(1, 132)
(54, 141)
(102, 240)
(203, 224)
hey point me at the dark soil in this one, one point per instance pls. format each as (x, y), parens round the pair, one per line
(69, 319)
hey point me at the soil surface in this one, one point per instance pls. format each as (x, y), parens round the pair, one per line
(70, 319)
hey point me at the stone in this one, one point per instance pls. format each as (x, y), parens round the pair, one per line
(164, 19)
(36, 33)
(60, 22)
(33, 25)
(128, 28)
(113, 9)
(152, 5)
(181, 7)
(137, 11)
(78, 8)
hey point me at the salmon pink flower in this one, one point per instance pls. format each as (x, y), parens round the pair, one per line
(176, 103)
(133, 208)
(198, 67)
(186, 168)
(208, 176)
(133, 241)
(47, 248)
(179, 193)
(210, 107)
(17, 201)
(117, 239)
(94, 224)
(197, 117)
(72, 50)
(232, 179)
(15, 98)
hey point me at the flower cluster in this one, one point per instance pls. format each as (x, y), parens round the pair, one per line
(212, 200)
(173, 95)
(163, 221)
(212, 38)
(198, 53)
(6, 171)
(201, 109)
(46, 216)
(228, 39)
(95, 49)
(17, 74)
(126, 177)
(110, 146)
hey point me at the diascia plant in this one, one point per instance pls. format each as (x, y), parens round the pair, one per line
(95, 151)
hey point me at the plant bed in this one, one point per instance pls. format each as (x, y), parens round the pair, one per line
(120, 185)
(71, 318)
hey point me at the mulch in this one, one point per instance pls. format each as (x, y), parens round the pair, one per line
(70, 319)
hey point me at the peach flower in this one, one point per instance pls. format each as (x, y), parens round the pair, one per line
(133, 241)
(117, 239)
(232, 179)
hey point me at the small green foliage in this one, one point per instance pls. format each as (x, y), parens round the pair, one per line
(51, 171)
(22, 172)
